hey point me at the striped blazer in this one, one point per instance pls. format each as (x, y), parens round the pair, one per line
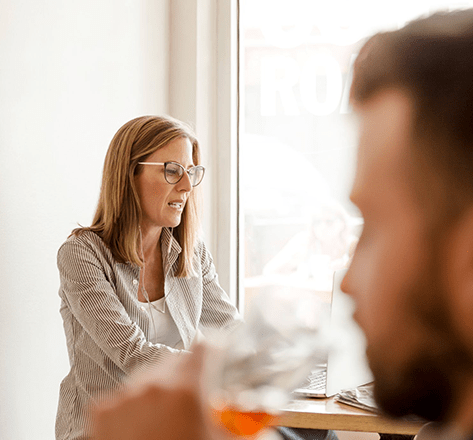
(107, 328)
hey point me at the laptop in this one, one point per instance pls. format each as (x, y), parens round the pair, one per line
(347, 366)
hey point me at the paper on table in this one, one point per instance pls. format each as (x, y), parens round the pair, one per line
(363, 397)
(359, 397)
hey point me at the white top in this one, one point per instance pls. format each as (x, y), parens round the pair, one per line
(163, 329)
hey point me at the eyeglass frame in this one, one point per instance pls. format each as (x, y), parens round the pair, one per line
(177, 163)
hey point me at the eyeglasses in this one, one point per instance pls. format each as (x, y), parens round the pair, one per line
(174, 171)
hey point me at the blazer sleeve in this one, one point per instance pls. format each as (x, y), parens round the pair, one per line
(92, 300)
(217, 310)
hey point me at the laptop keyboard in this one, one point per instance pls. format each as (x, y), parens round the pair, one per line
(316, 381)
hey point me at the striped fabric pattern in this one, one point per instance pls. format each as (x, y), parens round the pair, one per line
(107, 328)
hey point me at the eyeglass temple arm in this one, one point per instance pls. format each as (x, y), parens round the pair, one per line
(162, 163)
(151, 163)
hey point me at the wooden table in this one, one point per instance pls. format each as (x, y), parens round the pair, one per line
(328, 414)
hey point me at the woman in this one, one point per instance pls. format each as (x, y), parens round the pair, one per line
(138, 285)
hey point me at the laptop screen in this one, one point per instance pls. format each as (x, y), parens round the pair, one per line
(347, 366)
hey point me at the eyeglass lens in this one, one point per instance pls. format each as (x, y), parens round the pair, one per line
(174, 173)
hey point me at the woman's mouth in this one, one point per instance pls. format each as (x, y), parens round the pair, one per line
(176, 205)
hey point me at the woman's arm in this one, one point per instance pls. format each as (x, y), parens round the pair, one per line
(92, 299)
(217, 310)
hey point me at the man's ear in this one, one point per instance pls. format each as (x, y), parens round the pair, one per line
(459, 275)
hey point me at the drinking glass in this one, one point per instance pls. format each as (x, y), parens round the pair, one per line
(256, 367)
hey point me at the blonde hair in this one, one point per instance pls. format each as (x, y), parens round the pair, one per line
(118, 215)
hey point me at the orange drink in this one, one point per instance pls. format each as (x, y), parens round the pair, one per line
(243, 423)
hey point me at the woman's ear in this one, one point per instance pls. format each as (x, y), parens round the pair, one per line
(459, 275)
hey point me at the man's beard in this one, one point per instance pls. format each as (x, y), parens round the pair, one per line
(423, 388)
(432, 381)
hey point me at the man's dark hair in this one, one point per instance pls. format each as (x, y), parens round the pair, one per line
(431, 60)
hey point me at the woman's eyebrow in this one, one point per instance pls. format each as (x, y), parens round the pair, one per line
(175, 161)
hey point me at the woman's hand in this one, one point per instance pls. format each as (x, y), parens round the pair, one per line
(170, 406)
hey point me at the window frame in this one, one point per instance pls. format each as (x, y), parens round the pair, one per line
(203, 91)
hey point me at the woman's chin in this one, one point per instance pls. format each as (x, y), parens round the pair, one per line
(175, 222)
(170, 221)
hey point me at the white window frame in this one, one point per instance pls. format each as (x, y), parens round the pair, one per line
(203, 90)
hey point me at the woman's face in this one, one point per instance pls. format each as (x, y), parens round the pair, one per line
(162, 204)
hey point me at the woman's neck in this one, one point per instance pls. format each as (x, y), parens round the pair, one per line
(149, 237)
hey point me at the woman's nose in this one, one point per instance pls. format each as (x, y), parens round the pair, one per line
(185, 183)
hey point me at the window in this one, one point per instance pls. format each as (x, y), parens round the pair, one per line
(297, 145)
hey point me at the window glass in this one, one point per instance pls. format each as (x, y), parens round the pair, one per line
(298, 135)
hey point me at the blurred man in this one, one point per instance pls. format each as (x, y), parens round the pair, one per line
(412, 273)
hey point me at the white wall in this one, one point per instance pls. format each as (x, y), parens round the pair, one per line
(71, 74)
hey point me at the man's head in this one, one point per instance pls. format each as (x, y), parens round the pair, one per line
(412, 273)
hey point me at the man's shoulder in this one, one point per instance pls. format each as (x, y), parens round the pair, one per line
(436, 431)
